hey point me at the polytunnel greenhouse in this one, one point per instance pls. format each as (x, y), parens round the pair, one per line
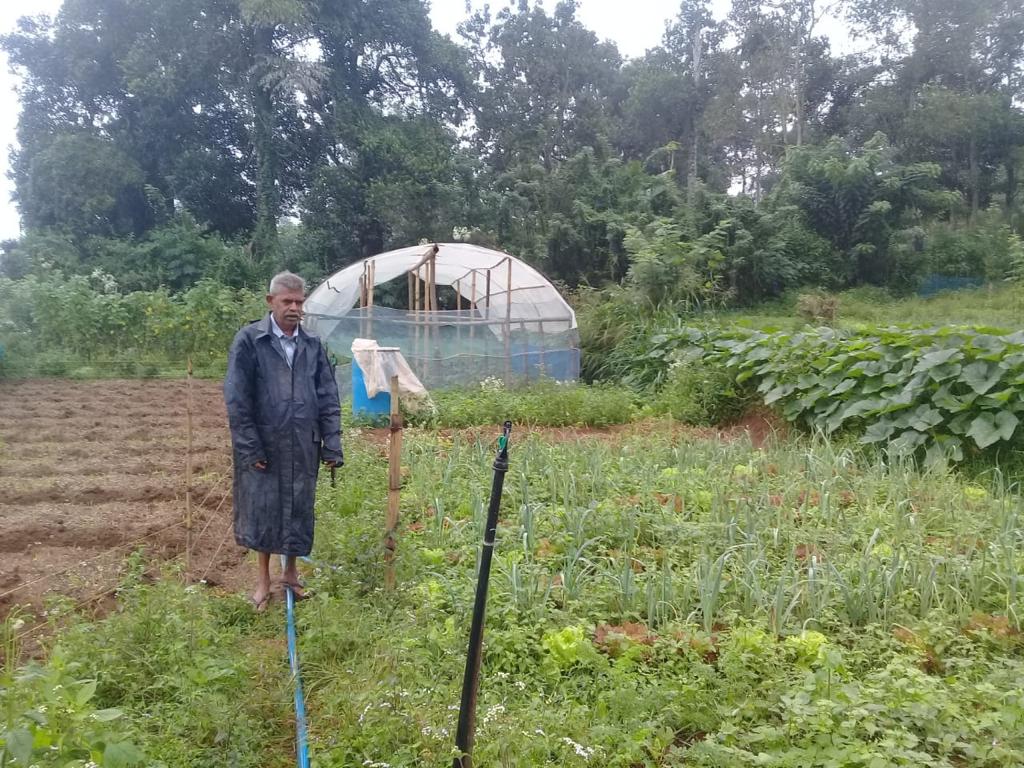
(459, 313)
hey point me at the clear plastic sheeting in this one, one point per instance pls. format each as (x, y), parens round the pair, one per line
(480, 274)
(379, 364)
(516, 332)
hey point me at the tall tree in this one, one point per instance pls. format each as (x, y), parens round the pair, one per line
(157, 79)
(956, 91)
(390, 171)
(546, 83)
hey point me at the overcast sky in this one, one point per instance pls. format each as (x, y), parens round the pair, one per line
(635, 26)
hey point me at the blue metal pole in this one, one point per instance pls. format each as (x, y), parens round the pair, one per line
(301, 745)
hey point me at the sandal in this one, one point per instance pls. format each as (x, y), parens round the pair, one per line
(260, 605)
(298, 590)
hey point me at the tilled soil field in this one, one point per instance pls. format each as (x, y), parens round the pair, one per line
(93, 471)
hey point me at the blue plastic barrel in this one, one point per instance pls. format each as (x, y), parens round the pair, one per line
(362, 404)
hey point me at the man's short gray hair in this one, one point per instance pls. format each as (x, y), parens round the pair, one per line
(286, 281)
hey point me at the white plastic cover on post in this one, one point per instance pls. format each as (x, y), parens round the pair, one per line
(379, 364)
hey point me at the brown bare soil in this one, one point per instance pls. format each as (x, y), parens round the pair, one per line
(93, 471)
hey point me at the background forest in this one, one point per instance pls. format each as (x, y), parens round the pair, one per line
(163, 142)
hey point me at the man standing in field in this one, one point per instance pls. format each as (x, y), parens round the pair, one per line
(285, 418)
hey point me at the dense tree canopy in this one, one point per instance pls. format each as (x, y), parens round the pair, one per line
(165, 140)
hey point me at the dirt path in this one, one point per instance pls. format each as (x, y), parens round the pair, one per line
(90, 471)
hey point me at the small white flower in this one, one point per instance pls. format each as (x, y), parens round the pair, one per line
(493, 712)
(579, 749)
(362, 717)
(492, 384)
(18, 624)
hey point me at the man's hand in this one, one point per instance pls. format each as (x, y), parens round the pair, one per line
(260, 465)
(331, 463)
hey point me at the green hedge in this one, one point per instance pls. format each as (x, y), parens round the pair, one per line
(76, 325)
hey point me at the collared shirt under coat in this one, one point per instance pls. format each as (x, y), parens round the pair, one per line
(287, 342)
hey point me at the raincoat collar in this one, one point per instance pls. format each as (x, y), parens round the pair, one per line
(265, 328)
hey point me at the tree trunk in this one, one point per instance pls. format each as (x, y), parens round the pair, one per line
(799, 101)
(268, 199)
(691, 181)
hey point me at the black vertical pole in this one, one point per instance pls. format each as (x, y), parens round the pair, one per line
(471, 680)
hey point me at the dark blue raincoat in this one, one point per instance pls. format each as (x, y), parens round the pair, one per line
(289, 417)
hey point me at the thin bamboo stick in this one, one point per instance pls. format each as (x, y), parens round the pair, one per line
(371, 270)
(472, 304)
(394, 487)
(543, 366)
(508, 324)
(188, 471)
(431, 309)
(526, 350)
(419, 307)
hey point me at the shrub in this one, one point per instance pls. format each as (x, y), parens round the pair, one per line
(52, 324)
(818, 307)
(702, 393)
(986, 250)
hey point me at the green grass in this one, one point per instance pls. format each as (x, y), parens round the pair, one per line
(655, 600)
(178, 677)
(730, 559)
(999, 306)
(547, 403)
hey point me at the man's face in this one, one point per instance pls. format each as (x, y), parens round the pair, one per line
(286, 307)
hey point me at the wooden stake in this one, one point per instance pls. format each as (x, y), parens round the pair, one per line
(188, 470)
(458, 309)
(508, 325)
(433, 282)
(431, 309)
(419, 307)
(362, 303)
(526, 350)
(543, 367)
(369, 283)
(394, 487)
(371, 275)
(472, 305)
